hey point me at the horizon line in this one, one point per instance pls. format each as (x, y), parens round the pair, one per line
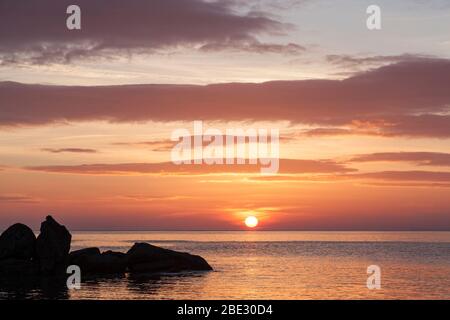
(258, 230)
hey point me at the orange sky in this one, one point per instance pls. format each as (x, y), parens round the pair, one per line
(129, 185)
(364, 122)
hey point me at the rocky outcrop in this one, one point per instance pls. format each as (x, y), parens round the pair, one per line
(113, 262)
(52, 246)
(141, 258)
(146, 258)
(17, 249)
(91, 261)
(21, 254)
(18, 268)
(17, 242)
(79, 257)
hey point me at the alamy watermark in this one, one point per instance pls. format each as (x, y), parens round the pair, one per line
(374, 279)
(212, 146)
(74, 280)
(373, 21)
(73, 21)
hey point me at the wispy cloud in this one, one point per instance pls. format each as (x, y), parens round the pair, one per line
(405, 176)
(424, 126)
(358, 63)
(399, 176)
(165, 145)
(17, 198)
(419, 158)
(70, 150)
(408, 184)
(150, 198)
(168, 168)
(154, 145)
(254, 46)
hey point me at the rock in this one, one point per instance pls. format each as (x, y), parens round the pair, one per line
(18, 241)
(146, 258)
(91, 261)
(112, 262)
(52, 246)
(21, 254)
(18, 268)
(80, 257)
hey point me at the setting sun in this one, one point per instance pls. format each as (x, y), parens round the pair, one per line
(251, 221)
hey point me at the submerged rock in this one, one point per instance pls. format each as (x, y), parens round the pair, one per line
(52, 246)
(18, 242)
(146, 258)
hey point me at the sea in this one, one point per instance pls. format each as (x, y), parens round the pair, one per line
(272, 265)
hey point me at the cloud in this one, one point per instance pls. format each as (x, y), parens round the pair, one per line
(420, 158)
(39, 34)
(408, 184)
(405, 176)
(71, 150)
(253, 46)
(148, 198)
(17, 198)
(168, 168)
(325, 132)
(272, 5)
(414, 176)
(424, 126)
(155, 145)
(408, 98)
(363, 62)
(165, 145)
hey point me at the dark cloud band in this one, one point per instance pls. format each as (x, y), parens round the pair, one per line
(34, 31)
(407, 98)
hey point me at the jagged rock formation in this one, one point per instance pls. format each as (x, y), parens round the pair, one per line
(24, 255)
(52, 246)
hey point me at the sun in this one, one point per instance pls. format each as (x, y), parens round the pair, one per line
(251, 221)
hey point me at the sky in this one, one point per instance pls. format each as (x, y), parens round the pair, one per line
(86, 116)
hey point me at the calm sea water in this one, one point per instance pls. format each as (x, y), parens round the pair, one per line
(276, 265)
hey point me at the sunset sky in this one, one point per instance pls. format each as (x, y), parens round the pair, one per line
(86, 115)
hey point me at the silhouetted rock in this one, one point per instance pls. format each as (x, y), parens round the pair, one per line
(112, 262)
(146, 258)
(91, 261)
(47, 257)
(82, 253)
(18, 268)
(80, 257)
(52, 246)
(18, 241)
